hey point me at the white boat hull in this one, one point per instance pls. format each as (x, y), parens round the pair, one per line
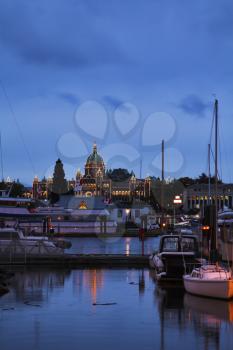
(222, 289)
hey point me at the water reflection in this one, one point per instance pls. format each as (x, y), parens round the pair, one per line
(206, 317)
(37, 284)
(114, 245)
(59, 308)
(90, 280)
(211, 308)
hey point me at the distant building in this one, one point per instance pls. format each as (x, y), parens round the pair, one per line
(197, 196)
(5, 188)
(96, 181)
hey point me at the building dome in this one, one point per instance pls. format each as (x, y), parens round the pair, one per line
(94, 163)
(94, 156)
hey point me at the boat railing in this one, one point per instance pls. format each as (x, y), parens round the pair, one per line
(17, 249)
(189, 267)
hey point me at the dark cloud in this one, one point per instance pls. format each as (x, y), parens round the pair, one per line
(112, 101)
(194, 105)
(149, 51)
(55, 35)
(70, 98)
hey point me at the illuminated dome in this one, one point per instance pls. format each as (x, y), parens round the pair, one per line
(94, 163)
(94, 156)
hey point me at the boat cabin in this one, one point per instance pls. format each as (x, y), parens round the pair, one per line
(178, 244)
(213, 272)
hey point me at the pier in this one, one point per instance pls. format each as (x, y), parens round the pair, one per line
(79, 260)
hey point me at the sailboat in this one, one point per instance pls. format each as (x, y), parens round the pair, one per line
(211, 280)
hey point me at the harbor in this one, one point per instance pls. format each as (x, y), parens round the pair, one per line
(116, 186)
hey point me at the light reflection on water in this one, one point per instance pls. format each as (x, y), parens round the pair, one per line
(53, 309)
(114, 245)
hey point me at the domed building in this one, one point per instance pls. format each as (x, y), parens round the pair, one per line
(117, 184)
(94, 165)
(94, 181)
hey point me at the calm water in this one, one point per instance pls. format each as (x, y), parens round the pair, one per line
(115, 245)
(54, 310)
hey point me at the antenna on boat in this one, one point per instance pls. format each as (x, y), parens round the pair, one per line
(1, 157)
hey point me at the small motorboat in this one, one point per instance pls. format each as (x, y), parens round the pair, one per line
(210, 281)
(177, 255)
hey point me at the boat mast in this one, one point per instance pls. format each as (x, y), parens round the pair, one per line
(162, 184)
(1, 156)
(216, 174)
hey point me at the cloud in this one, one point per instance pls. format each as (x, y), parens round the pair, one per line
(70, 98)
(194, 105)
(112, 101)
(56, 35)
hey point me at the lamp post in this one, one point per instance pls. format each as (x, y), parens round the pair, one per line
(127, 211)
(59, 219)
(176, 200)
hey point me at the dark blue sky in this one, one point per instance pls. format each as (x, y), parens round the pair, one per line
(133, 59)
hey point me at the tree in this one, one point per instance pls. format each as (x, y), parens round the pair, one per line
(119, 175)
(170, 190)
(17, 189)
(59, 181)
(186, 181)
(204, 179)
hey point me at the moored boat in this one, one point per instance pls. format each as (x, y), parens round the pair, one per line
(177, 254)
(14, 243)
(210, 281)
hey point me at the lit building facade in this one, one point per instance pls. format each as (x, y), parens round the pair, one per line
(197, 196)
(97, 182)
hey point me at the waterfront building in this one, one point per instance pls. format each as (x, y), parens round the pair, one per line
(198, 196)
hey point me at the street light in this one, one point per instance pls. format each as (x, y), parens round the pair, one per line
(127, 212)
(176, 200)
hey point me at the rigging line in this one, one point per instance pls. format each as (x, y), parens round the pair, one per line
(212, 153)
(219, 150)
(212, 127)
(210, 139)
(225, 151)
(207, 164)
(220, 155)
(17, 126)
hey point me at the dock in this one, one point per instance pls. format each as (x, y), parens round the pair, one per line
(79, 260)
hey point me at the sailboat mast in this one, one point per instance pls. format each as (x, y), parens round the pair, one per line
(162, 184)
(216, 172)
(1, 156)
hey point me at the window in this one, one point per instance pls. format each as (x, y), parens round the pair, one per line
(170, 244)
(187, 244)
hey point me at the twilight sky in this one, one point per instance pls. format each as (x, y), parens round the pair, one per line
(123, 73)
